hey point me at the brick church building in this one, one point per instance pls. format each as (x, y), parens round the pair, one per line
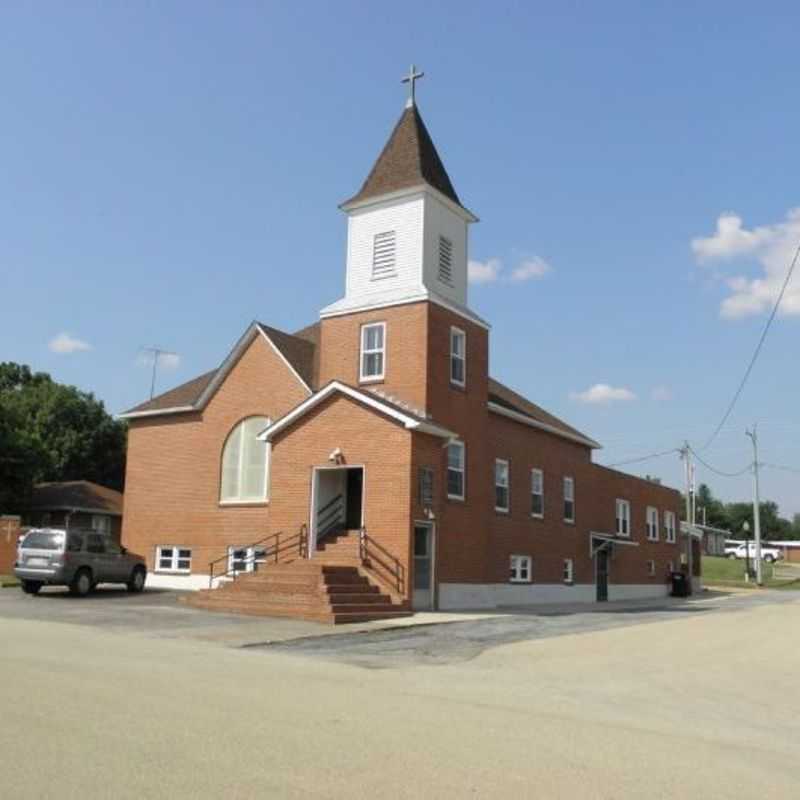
(369, 464)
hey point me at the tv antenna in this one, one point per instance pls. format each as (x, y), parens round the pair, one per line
(156, 353)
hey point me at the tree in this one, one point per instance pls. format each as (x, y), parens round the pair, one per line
(53, 432)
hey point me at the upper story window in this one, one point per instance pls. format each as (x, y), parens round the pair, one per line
(537, 493)
(623, 518)
(652, 524)
(373, 351)
(456, 463)
(569, 499)
(445, 260)
(669, 526)
(425, 487)
(501, 485)
(244, 463)
(383, 255)
(458, 357)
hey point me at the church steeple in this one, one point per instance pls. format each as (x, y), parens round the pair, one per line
(408, 159)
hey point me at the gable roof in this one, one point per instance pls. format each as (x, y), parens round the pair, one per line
(502, 399)
(402, 414)
(297, 351)
(408, 159)
(76, 496)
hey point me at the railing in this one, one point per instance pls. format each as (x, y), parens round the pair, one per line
(261, 552)
(330, 516)
(386, 567)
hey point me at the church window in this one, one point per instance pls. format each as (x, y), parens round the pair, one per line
(245, 463)
(373, 351)
(445, 261)
(383, 255)
(458, 355)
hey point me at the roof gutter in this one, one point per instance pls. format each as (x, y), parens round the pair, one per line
(155, 412)
(535, 423)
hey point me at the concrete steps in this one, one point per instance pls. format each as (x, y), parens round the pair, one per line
(319, 590)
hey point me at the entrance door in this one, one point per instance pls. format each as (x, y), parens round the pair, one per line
(423, 567)
(601, 574)
(355, 497)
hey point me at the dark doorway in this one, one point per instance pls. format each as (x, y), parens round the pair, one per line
(355, 497)
(601, 572)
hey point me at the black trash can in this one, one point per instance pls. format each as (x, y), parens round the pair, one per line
(680, 584)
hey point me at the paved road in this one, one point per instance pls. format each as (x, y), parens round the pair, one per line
(687, 704)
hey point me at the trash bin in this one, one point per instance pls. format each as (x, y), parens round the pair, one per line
(680, 584)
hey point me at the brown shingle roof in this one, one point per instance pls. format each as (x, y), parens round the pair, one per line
(299, 350)
(508, 398)
(83, 495)
(186, 394)
(408, 159)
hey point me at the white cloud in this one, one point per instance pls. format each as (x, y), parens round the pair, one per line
(492, 270)
(531, 269)
(165, 360)
(661, 394)
(603, 394)
(772, 246)
(484, 271)
(64, 343)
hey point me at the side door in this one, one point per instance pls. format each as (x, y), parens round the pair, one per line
(97, 558)
(117, 563)
(601, 567)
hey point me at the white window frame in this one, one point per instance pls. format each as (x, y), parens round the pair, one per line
(568, 573)
(363, 352)
(652, 524)
(252, 557)
(101, 523)
(175, 559)
(625, 505)
(462, 470)
(569, 481)
(651, 568)
(540, 473)
(669, 526)
(502, 463)
(242, 499)
(457, 333)
(515, 569)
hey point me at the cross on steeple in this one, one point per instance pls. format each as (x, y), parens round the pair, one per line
(410, 79)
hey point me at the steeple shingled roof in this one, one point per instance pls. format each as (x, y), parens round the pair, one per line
(408, 159)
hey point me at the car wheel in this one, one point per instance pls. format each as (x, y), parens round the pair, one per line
(82, 583)
(769, 559)
(31, 587)
(138, 577)
(732, 556)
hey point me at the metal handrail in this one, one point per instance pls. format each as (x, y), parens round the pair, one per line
(373, 553)
(297, 541)
(329, 516)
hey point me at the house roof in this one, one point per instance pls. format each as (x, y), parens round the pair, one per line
(409, 418)
(504, 398)
(299, 351)
(408, 159)
(78, 496)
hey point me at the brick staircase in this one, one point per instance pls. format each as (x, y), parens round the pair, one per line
(332, 587)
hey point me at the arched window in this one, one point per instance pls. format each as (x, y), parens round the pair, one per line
(245, 463)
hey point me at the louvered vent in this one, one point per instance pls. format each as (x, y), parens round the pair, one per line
(445, 261)
(383, 255)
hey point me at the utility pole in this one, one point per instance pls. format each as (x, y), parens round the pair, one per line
(756, 502)
(686, 456)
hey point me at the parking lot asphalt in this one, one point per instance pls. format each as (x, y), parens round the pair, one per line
(620, 703)
(425, 638)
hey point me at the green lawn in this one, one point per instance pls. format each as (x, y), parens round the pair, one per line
(730, 572)
(8, 580)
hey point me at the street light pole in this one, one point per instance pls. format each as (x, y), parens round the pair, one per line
(756, 503)
(746, 530)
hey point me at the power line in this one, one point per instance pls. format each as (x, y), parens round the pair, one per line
(719, 471)
(643, 458)
(780, 467)
(756, 353)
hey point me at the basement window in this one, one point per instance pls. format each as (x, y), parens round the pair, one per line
(568, 570)
(651, 568)
(173, 558)
(383, 255)
(521, 569)
(445, 260)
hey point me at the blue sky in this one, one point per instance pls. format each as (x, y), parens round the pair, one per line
(172, 171)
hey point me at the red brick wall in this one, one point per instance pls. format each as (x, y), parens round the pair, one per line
(173, 465)
(9, 533)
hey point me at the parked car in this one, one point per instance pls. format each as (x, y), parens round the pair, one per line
(77, 559)
(768, 554)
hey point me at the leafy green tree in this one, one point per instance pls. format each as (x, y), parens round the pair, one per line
(53, 432)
